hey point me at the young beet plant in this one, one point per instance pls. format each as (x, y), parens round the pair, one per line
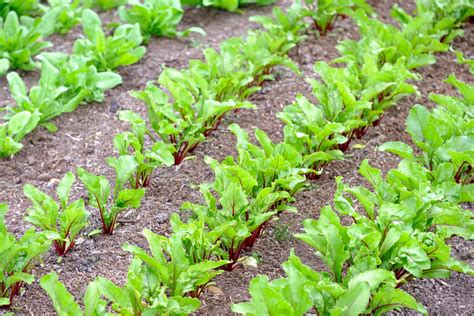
(325, 13)
(139, 296)
(47, 214)
(281, 24)
(64, 84)
(12, 132)
(98, 189)
(166, 281)
(17, 257)
(444, 135)
(272, 165)
(133, 143)
(238, 204)
(176, 267)
(122, 48)
(317, 139)
(20, 41)
(65, 14)
(413, 41)
(156, 18)
(185, 122)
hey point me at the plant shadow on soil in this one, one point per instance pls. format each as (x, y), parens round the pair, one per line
(85, 138)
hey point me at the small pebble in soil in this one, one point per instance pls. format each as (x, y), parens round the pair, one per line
(114, 107)
(43, 177)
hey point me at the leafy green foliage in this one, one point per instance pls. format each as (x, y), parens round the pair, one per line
(268, 167)
(449, 14)
(66, 14)
(47, 214)
(350, 100)
(186, 121)
(178, 270)
(166, 281)
(229, 5)
(405, 224)
(49, 98)
(260, 52)
(240, 204)
(205, 91)
(444, 135)
(65, 82)
(271, 165)
(156, 18)
(105, 5)
(325, 13)
(80, 78)
(303, 289)
(416, 40)
(463, 60)
(138, 296)
(316, 133)
(133, 143)
(20, 41)
(17, 257)
(289, 24)
(99, 191)
(374, 89)
(20, 7)
(12, 133)
(108, 52)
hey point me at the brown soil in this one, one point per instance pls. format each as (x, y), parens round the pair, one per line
(85, 138)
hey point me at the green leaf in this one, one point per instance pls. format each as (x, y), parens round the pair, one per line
(391, 299)
(63, 301)
(354, 301)
(398, 148)
(64, 188)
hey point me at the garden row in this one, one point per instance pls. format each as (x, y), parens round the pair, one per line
(70, 80)
(400, 234)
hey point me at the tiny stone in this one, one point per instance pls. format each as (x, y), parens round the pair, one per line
(43, 177)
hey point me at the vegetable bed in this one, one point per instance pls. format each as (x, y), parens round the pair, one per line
(85, 138)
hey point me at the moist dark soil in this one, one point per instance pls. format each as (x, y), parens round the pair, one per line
(85, 138)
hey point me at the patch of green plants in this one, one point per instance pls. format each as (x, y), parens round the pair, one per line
(325, 13)
(65, 83)
(17, 258)
(20, 40)
(416, 40)
(62, 222)
(229, 5)
(105, 5)
(133, 143)
(205, 91)
(236, 198)
(66, 14)
(122, 48)
(18, 126)
(110, 202)
(449, 15)
(184, 122)
(156, 18)
(168, 280)
(395, 237)
(443, 135)
(140, 295)
(20, 7)
(287, 24)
